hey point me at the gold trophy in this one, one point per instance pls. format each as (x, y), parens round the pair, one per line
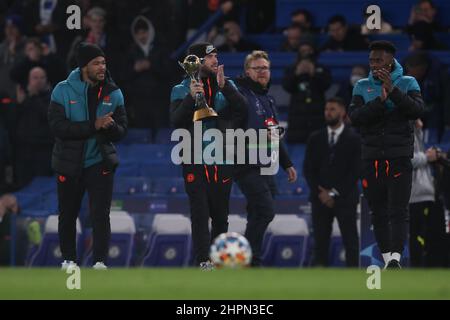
(191, 66)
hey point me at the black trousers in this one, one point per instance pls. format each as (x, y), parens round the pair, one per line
(427, 234)
(259, 190)
(99, 184)
(322, 221)
(387, 188)
(31, 161)
(208, 188)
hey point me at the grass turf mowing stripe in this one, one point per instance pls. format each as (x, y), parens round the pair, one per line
(182, 284)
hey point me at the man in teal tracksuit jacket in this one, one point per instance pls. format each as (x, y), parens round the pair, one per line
(383, 107)
(86, 114)
(208, 186)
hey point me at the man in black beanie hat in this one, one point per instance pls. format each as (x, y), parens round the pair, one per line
(207, 185)
(86, 115)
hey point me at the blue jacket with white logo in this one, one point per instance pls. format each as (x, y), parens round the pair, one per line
(386, 126)
(78, 144)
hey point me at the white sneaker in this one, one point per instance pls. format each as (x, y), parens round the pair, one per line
(100, 266)
(68, 264)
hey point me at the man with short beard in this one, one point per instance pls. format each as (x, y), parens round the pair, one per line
(331, 168)
(207, 185)
(34, 142)
(86, 115)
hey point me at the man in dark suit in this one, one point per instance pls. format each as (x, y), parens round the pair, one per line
(331, 168)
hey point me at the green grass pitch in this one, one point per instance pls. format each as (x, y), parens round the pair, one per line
(183, 284)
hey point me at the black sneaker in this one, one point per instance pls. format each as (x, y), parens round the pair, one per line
(393, 264)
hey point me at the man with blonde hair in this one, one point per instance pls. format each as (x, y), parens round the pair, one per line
(258, 189)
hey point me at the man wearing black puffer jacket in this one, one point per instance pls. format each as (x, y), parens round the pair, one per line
(86, 115)
(383, 107)
(207, 182)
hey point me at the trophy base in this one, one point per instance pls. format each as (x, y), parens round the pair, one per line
(204, 113)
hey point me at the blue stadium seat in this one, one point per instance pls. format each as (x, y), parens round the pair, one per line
(160, 170)
(431, 136)
(137, 136)
(169, 241)
(29, 200)
(235, 191)
(128, 169)
(35, 213)
(50, 202)
(163, 136)
(446, 136)
(121, 244)
(237, 223)
(122, 150)
(149, 152)
(291, 189)
(41, 185)
(49, 253)
(296, 150)
(286, 241)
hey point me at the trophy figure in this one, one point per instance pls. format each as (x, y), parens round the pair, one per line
(191, 66)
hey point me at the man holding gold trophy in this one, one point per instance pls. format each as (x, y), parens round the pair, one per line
(206, 96)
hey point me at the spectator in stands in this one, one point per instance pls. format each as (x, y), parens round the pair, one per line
(382, 107)
(37, 54)
(147, 78)
(307, 82)
(258, 189)
(86, 115)
(46, 20)
(8, 207)
(294, 34)
(307, 49)
(260, 16)
(199, 11)
(385, 27)
(343, 37)
(359, 72)
(38, 19)
(234, 41)
(34, 140)
(426, 223)
(95, 33)
(331, 168)
(433, 79)
(11, 51)
(425, 11)
(423, 38)
(169, 19)
(303, 18)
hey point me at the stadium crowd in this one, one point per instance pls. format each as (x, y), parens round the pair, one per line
(139, 37)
